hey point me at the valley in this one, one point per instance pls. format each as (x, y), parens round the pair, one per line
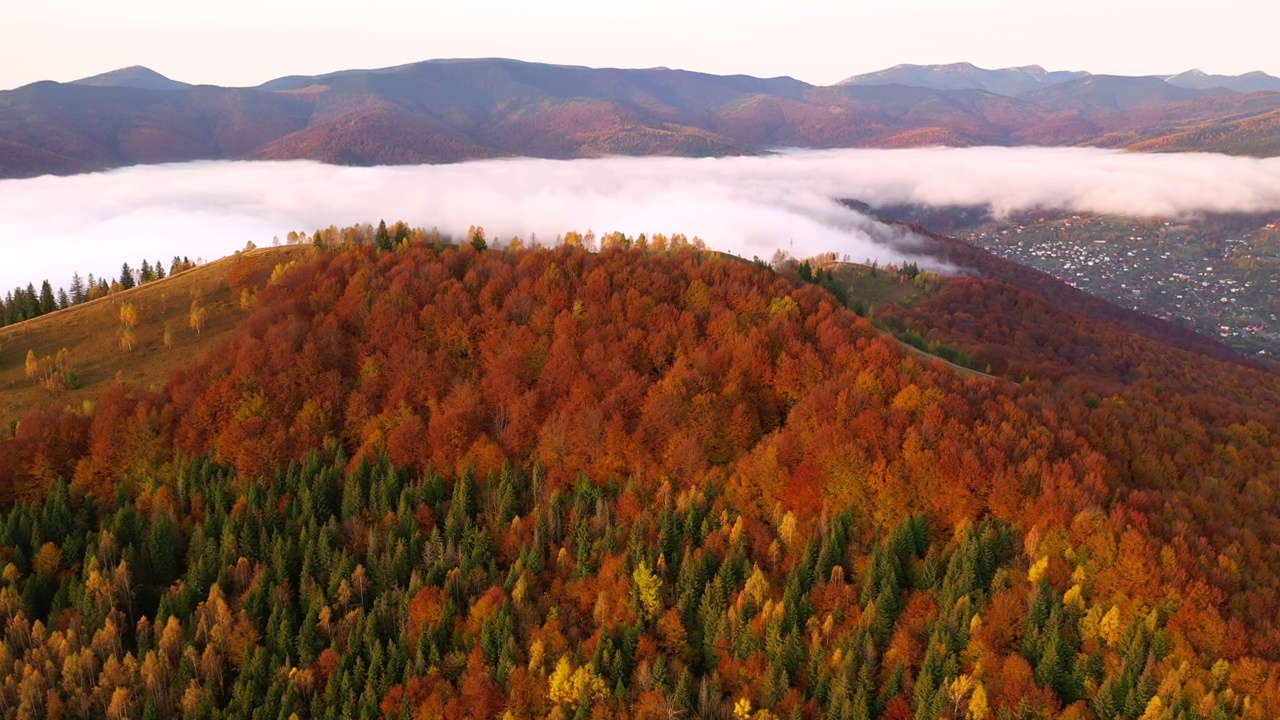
(1216, 274)
(1223, 284)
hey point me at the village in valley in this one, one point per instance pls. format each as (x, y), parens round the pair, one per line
(1219, 275)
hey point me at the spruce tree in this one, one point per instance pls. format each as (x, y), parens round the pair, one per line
(30, 303)
(77, 289)
(47, 302)
(382, 238)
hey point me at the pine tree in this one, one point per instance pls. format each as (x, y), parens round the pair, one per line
(47, 301)
(382, 238)
(78, 289)
(126, 277)
(805, 271)
(31, 303)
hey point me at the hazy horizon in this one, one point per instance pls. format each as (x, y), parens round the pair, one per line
(371, 68)
(749, 205)
(820, 42)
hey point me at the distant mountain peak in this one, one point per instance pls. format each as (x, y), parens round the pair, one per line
(966, 76)
(134, 76)
(1016, 81)
(1250, 82)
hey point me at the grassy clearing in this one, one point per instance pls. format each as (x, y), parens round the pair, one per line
(91, 333)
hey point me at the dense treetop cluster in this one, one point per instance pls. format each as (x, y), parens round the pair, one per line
(426, 480)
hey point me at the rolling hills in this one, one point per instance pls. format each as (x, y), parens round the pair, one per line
(447, 111)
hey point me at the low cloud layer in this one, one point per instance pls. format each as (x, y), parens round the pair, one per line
(50, 227)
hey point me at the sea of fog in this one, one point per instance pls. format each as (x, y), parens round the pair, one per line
(51, 227)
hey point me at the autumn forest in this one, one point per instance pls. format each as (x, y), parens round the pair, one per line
(638, 480)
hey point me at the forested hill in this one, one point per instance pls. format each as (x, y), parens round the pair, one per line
(645, 482)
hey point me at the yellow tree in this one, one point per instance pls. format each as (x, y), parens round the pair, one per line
(647, 586)
(958, 690)
(119, 707)
(128, 315)
(579, 688)
(62, 362)
(128, 321)
(198, 316)
(978, 707)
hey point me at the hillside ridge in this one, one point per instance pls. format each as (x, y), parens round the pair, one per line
(89, 331)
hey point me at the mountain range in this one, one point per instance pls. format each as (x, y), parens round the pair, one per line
(1017, 80)
(453, 110)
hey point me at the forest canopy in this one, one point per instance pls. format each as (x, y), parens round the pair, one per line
(426, 480)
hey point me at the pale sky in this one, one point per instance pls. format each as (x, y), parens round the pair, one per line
(246, 42)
